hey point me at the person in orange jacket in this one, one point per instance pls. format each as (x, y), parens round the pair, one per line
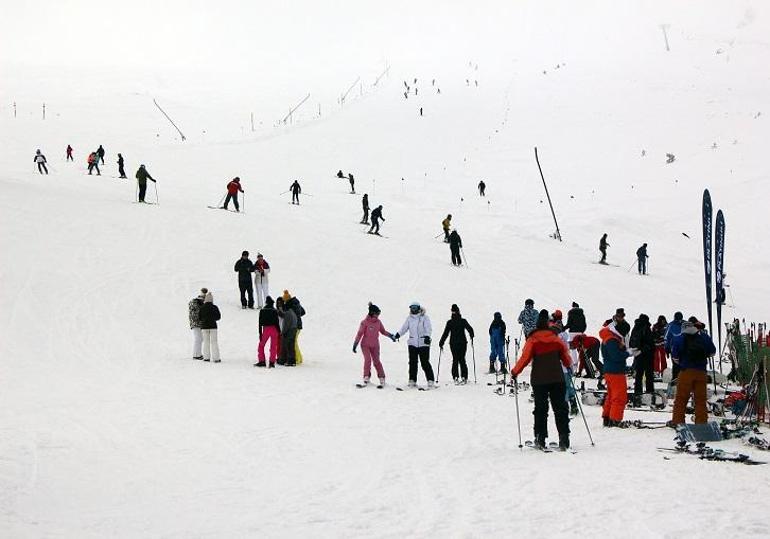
(547, 353)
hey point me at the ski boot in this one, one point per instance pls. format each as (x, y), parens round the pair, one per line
(492, 368)
(540, 442)
(260, 364)
(412, 383)
(563, 443)
(573, 407)
(605, 421)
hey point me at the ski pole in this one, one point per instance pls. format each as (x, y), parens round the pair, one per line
(631, 266)
(473, 353)
(283, 193)
(438, 370)
(437, 235)
(221, 201)
(580, 407)
(136, 194)
(157, 200)
(465, 257)
(244, 201)
(518, 418)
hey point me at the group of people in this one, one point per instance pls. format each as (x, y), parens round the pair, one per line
(641, 255)
(376, 215)
(350, 178)
(93, 161)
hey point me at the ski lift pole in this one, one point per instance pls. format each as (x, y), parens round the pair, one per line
(553, 213)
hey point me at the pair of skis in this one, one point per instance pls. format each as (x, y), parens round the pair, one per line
(550, 448)
(704, 452)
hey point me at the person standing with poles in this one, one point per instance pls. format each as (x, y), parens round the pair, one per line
(455, 329)
(641, 257)
(261, 269)
(445, 225)
(93, 163)
(141, 177)
(365, 206)
(41, 161)
(603, 248)
(295, 191)
(352, 183)
(121, 170)
(418, 326)
(232, 193)
(376, 216)
(455, 244)
(244, 267)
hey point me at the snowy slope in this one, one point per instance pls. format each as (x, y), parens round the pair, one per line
(108, 427)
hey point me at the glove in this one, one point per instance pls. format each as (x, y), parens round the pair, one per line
(426, 340)
(396, 337)
(153, 181)
(354, 348)
(392, 337)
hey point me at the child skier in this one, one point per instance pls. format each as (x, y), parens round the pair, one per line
(40, 161)
(497, 343)
(369, 336)
(232, 193)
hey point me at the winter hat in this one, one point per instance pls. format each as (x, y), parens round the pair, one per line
(620, 312)
(498, 316)
(455, 308)
(286, 296)
(259, 255)
(269, 301)
(529, 303)
(373, 309)
(678, 316)
(245, 253)
(542, 319)
(203, 292)
(209, 298)
(575, 305)
(557, 314)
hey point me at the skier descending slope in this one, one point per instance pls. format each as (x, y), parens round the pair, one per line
(497, 343)
(141, 178)
(41, 161)
(369, 336)
(455, 329)
(641, 256)
(445, 225)
(295, 191)
(603, 248)
(121, 170)
(376, 216)
(482, 188)
(418, 326)
(548, 354)
(455, 244)
(261, 270)
(365, 206)
(232, 193)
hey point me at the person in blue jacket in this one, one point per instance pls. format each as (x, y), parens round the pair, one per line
(497, 343)
(691, 349)
(674, 330)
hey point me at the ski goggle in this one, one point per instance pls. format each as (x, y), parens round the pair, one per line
(414, 308)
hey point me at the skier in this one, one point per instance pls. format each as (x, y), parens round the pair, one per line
(243, 267)
(576, 324)
(691, 349)
(352, 181)
(194, 309)
(340, 174)
(603, 248)
(261, 270)
(641, 255)
(93, 163)
(299, 311)
(368, 336)
(415, 93)
(100, 153)
(121, 170)
(209, 314)
(497, 343)
(614, 353)
(376, 216)
(232, 193)
(269, 330)
(455, 329)
(69, 153)
(556, 325)
(365, 206)
(673, 331)
(587, 348)
(548, 355)
(41, 161)
(295, 191)
(621, 324)
(482, 188)
(141, 177)
(642, 346)
(659, 363)
(455, 244)
(528, 317)
(288, 334)
(445, 224)
(418, 326)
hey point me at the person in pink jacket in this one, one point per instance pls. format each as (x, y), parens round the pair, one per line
(369, 336)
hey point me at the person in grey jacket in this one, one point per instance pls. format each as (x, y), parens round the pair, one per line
(418, 326)
(288, 333)
(528, 317)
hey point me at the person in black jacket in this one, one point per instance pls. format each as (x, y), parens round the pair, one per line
(269, 329)
(365, 205)
(642, 256)
(643, 346)
(121, 170)
(455, 329)
(576, 319)
(376, 216)
(603, 248)
(208, 316)
(244, 267)
(295, 191)
(100, 153)
(455, 244)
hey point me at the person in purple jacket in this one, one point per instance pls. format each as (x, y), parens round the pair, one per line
(369, 337)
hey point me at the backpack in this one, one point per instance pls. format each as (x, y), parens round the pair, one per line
(694, 348)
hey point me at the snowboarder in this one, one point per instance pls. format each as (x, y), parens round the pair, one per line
(548, 354)
(352, 181)
(269, 330)
(288, 334)
(603, 248)
(641, 256)
(482, 188)
(244, 267)
(261, 270)
(141, 177)
(194, 309)
(121, 170)
(659, 363)
(41, 161)
(232, 193)
(100, 153)
(418, 326)
(376, 216)
(673, 331)
(614, 353)
(365, 206)
(445, 225)
(455, 329)
(294, 304)
(455, 244)
(69, 153)
(209, 314)
(340, 174)
(528, 317)
(368, 336)
(690, 350)
(497, 343)
(295, 191)
(642, 346)
(93, 163)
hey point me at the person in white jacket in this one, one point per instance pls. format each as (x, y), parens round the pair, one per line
(419, 328)
(261, 270)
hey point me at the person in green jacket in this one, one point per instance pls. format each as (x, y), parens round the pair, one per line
(141, 177)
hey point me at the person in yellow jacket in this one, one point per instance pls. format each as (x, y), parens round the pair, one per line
(446, 225)
(294, 304)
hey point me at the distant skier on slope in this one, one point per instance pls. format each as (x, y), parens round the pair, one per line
(641, 256)
(352, 181)
(261, 271)
(233, 187)
(603, 248)
(368, 335)
(497, 343)
(69, 153)
(295, 191)
(269, 330)
(482, 188)
(141, 177)
(528, 317)
(376, 216)
(121, 170)
(244, 267)
(93, 163)
(445, 226)
(455, 244)
(340, 174)
(365, 206)
(41, 161)
(455, 329)
(418, 326)
(100, 153)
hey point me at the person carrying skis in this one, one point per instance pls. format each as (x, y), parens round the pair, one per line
(642, 346)
(365, 206)
(194, 311)
(121, 170)
(603, 248)
(418, 326)
(93, 163)
(141, 177)
(455, 329)
(269, 330)
(352, 184)
(376, 216)
(482, 188)
(100, 153)
(673, 331)
(691, 349)
(232, 193)
(244, 267)
(294, 304)
(288, 334)
(659, 363)
(497, 343)
(455, 244)
(528, 317)
(614, 353)
(261, 270)
(445, 225)
(641, 256)
(209, 314)
(548, 355)
(368, 335)
(69, 153)
(41, 161)
(295, 191)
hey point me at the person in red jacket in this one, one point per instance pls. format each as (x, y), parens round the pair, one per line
(588, 353)
(232, 193)
(547, 353)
